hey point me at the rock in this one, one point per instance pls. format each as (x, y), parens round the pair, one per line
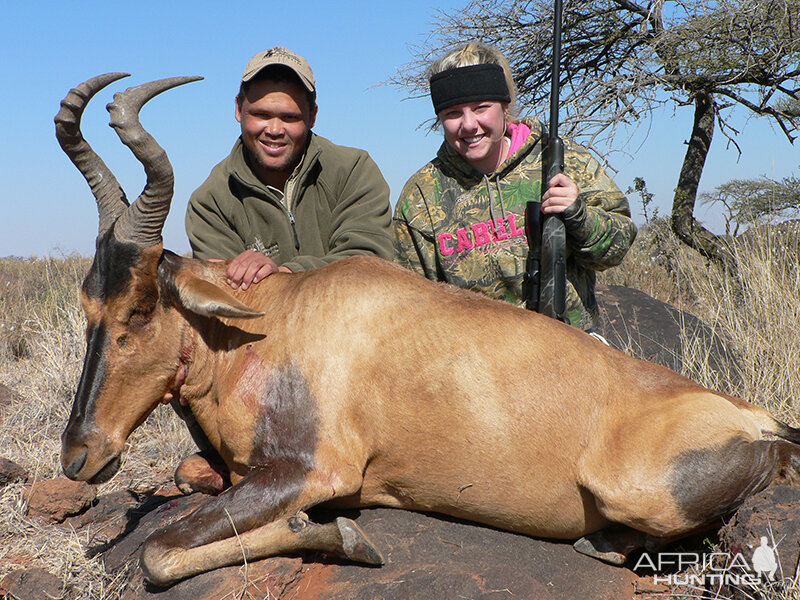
(157, 511)
(31, 584)
(261, 579)
(430, 556)
(647, 328)
(271, 579)
(56, 499)
(11, 472)
(110, 516)
(775, 514)
(426, 557)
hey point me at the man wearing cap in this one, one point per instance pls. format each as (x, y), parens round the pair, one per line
(285, 198)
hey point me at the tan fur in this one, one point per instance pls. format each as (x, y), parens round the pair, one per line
(361, 383)
(436, 399)
(483, 418)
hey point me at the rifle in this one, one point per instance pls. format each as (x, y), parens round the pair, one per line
(546, 276)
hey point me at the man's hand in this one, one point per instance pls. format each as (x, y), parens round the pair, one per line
(561, 193)
(251, 267)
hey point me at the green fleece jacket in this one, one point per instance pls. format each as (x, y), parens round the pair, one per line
(336, 204)
(457, 225)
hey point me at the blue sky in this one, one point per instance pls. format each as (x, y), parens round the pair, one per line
(48, 47)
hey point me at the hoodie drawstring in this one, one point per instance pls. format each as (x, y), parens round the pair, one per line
(499, 195)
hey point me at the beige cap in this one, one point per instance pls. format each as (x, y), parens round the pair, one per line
(280, 56)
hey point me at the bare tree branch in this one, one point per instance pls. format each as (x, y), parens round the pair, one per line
(623, 59)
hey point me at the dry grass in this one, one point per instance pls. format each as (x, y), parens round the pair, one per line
(757, 311)
(41, 353)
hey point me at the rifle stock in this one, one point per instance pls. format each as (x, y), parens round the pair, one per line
(553, 292)
(533, 231)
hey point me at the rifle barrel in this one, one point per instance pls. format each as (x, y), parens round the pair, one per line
(555, 81)
(553, 277)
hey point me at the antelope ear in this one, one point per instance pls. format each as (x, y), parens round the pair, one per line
(206, 299)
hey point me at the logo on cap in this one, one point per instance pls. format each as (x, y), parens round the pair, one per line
(280, 56)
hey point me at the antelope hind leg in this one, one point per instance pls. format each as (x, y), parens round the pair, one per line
(711, 483)
(698, 487)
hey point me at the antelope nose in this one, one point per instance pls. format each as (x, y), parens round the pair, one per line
(74, 467)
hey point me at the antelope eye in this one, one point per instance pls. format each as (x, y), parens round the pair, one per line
(139, 320)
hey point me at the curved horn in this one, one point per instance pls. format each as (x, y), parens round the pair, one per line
(143, 221)
(111, 202)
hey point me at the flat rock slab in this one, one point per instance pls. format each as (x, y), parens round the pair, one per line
(435, 557)
(31, 584)
(426, 557)
(642, 326)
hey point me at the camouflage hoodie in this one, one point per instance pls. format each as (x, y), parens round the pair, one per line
(454, 224)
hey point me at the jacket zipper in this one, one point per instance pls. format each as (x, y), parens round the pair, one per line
(288, 197)
(294, 230)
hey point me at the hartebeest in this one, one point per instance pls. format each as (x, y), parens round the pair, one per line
(363, 384)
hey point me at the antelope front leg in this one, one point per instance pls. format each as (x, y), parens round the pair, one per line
(342, 538)
(264, 508)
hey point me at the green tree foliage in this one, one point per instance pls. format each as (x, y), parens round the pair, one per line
(622, 59)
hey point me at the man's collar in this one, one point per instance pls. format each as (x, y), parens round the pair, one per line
(243, 171)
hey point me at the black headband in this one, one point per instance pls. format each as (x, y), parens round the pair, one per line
(474, 83)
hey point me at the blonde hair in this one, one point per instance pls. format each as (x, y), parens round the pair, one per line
(477, 53)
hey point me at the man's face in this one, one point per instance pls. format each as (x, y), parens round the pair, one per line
(276, 119)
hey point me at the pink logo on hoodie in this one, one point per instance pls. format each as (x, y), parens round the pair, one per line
(483, 233)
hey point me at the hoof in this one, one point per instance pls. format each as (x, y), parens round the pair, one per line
(357, 546)
(198, 473)
(611, 546)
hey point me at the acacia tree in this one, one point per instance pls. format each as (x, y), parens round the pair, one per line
(622, 59)
(755, 201)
